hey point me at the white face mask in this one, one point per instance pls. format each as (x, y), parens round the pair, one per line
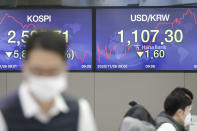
(187, 120)
(45, 88)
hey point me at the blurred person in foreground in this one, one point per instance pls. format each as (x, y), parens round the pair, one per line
(177, 114)
(40, 103)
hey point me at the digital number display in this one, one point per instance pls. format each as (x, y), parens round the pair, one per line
(146, 39)
(75, 25)
(130, 39)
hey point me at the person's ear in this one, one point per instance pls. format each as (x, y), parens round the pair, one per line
(179, 113)
(25, 70)
(24, 65)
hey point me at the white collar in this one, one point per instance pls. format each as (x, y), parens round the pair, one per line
(32, 109)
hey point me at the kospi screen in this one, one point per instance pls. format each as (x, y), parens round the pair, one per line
(75, 25)
(155, 39)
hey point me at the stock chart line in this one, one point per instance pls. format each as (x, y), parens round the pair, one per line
(18, 22)
(115, 48)
(82, 59)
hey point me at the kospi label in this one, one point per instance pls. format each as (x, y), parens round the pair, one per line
(38, 18)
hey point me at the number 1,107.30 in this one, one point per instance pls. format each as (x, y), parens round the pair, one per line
(172, 36)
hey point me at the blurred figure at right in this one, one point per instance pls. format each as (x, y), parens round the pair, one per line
(177, 114)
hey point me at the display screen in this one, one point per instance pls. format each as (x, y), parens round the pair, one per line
(75, 25)
(163, 39)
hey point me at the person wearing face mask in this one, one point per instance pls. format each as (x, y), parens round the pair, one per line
(177, 114)
(40, 103)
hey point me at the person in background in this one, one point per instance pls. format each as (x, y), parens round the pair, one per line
(177, 114)
(134, 124)
(40, 103)
(137, 118)
(186, 91)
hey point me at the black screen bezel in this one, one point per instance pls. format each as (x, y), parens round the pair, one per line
(94, 8)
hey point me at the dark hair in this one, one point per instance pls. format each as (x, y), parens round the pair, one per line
(176, 101)
(185, 90)
(139, 112)
(47, 40)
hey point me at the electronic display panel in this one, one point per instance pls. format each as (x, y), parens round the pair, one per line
(146, 39)
(75, 25)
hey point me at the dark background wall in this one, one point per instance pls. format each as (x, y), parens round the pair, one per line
(95, 2)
